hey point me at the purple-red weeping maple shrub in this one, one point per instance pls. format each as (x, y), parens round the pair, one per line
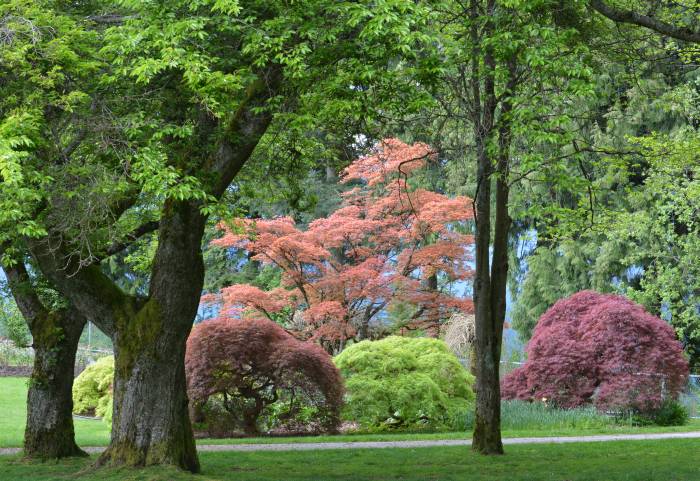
(254, 369)
(600, 349)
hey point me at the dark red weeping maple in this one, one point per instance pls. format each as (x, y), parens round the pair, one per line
(250, 364)
(600, 349)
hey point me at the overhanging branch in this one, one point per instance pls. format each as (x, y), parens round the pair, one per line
(631, 17)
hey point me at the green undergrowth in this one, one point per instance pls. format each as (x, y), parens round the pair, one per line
(666, 460)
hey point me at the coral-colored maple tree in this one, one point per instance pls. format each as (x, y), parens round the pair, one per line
(601, 349)
(388, 243)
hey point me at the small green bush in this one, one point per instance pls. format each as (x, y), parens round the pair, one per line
(92, 390)
(670, 413)
(405, 383)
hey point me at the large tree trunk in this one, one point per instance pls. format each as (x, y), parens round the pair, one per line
(49, 432)
(151, 423)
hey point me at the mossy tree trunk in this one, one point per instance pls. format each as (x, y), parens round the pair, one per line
(150, 423)
(49, 431)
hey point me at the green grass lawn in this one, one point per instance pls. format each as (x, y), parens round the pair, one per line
(669, 460)
(13, 411)
(13, 392)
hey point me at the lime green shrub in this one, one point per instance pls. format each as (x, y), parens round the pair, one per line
(405, 383)
(92, 390)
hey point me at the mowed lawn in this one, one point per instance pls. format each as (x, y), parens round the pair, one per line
(13, 395)
(669, 460)
(13, 412)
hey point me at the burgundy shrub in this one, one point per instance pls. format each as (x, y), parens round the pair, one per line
(249, 364)
(600, 349)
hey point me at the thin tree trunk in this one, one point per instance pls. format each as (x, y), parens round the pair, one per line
(49, 431)
(487, 428)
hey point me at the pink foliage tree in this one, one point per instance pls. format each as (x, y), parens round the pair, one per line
(388, 243)
(601, 349)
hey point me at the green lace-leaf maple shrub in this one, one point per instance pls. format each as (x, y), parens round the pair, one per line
(92, 389)
(405, 383)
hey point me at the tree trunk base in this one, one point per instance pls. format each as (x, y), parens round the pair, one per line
(488, 444)
(53, 444)
(175, 454)
(49, 431)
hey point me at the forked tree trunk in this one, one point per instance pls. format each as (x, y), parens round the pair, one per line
(490, 285)
(150, 422)
(487, 428)
(49, 432)
(490, 312)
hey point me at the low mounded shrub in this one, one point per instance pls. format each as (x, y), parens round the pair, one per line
(600, 349)
(251, 375)
(92, 389)
(670, 413)
(405, 383)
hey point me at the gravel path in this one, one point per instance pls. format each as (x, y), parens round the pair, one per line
(412, 444)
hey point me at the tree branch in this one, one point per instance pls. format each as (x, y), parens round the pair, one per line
(24, 293)
(130, 238)
(628, 16)
(110, 19)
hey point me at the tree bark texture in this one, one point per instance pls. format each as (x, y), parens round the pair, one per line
(49, 431)
(150, 423)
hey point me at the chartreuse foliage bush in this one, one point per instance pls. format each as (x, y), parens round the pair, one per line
(92, 389)
(405, 383)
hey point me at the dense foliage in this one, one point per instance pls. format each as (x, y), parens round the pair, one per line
(400, 382)
(251, 374)
(130, 129)
(600, 349)
(92, 389)
(387, 245)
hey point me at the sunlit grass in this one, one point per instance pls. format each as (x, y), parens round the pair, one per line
(668, 460)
